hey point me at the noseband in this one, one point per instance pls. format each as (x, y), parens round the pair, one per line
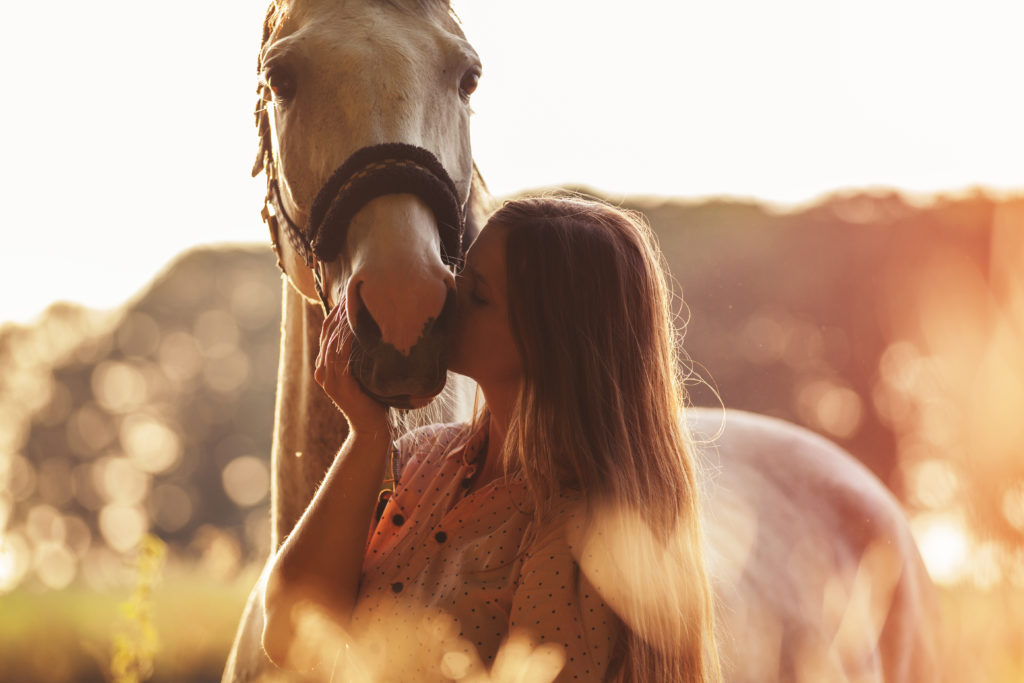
(370, 172)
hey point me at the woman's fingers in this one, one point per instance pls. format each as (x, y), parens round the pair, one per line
(325, 329)
(332, 371)
(333, 374)
(334, 321)
(337, 352)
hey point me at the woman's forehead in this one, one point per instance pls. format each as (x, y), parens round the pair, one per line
(487, 253)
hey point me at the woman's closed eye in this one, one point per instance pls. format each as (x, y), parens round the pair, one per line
(478, 293)
(477, 298)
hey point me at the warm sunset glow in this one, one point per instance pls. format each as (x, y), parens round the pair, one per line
(783, 101)
(122, 525)
(944, 545)
(836, 187)
(151, 444)
(246, 480)
(7, 563)
(14, 560)
(833, 409)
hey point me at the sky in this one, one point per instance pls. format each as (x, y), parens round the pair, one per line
(128, 134)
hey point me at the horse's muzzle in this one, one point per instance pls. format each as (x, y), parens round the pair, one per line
(403, 380)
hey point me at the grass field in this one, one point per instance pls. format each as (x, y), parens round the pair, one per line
(68, 635)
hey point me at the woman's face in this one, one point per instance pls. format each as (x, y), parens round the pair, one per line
(483, 347)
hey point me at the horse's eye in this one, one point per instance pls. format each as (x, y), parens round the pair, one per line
(467, 86)
(281, 82)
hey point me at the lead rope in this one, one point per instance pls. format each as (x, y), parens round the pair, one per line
(272, 208)
(388, 486)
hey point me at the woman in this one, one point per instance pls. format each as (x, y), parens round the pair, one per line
(564, 518)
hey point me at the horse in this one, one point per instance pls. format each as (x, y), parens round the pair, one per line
(372, 196)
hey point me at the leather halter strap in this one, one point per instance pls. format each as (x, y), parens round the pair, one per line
(370, 172)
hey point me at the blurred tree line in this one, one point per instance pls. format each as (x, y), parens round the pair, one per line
(894, 328)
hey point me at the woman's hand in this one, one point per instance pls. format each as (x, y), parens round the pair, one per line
(364, 414)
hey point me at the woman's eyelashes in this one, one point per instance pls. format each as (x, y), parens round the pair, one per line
(471, 282)
(476, 297)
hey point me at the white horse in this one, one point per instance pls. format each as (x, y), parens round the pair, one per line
(816, 575)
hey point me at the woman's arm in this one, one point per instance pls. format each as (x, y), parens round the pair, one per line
(320, 563)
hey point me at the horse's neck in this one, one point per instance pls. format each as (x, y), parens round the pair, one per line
(308, 428)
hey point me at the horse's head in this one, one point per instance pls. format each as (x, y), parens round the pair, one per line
(383, 231)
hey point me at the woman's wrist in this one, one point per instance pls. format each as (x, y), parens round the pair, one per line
(371, 429)
(369, 417)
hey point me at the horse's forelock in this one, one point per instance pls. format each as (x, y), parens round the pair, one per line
(426, 6)
(278, 10)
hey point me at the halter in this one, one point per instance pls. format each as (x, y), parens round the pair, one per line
(370, 172)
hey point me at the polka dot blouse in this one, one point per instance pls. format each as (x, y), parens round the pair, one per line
(449, 574)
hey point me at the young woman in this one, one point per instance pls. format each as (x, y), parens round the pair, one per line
(562, 524)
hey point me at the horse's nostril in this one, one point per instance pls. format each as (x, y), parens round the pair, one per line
(366, 328)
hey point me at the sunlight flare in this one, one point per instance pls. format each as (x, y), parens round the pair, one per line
(944, 544)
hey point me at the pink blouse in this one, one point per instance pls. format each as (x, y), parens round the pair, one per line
(447, 576)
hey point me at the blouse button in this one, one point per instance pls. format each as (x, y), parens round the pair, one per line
(440, 537)
(397, 587)
(399, 520)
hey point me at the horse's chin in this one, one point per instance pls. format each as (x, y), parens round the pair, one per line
(399, 380)
(405, 401)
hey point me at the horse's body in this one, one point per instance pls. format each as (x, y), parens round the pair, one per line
(815, 573)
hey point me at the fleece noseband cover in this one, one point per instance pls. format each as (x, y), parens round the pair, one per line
(390, 168)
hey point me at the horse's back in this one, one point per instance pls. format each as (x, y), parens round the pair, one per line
(816, 575)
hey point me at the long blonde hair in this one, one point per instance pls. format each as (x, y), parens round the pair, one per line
(599, 413)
